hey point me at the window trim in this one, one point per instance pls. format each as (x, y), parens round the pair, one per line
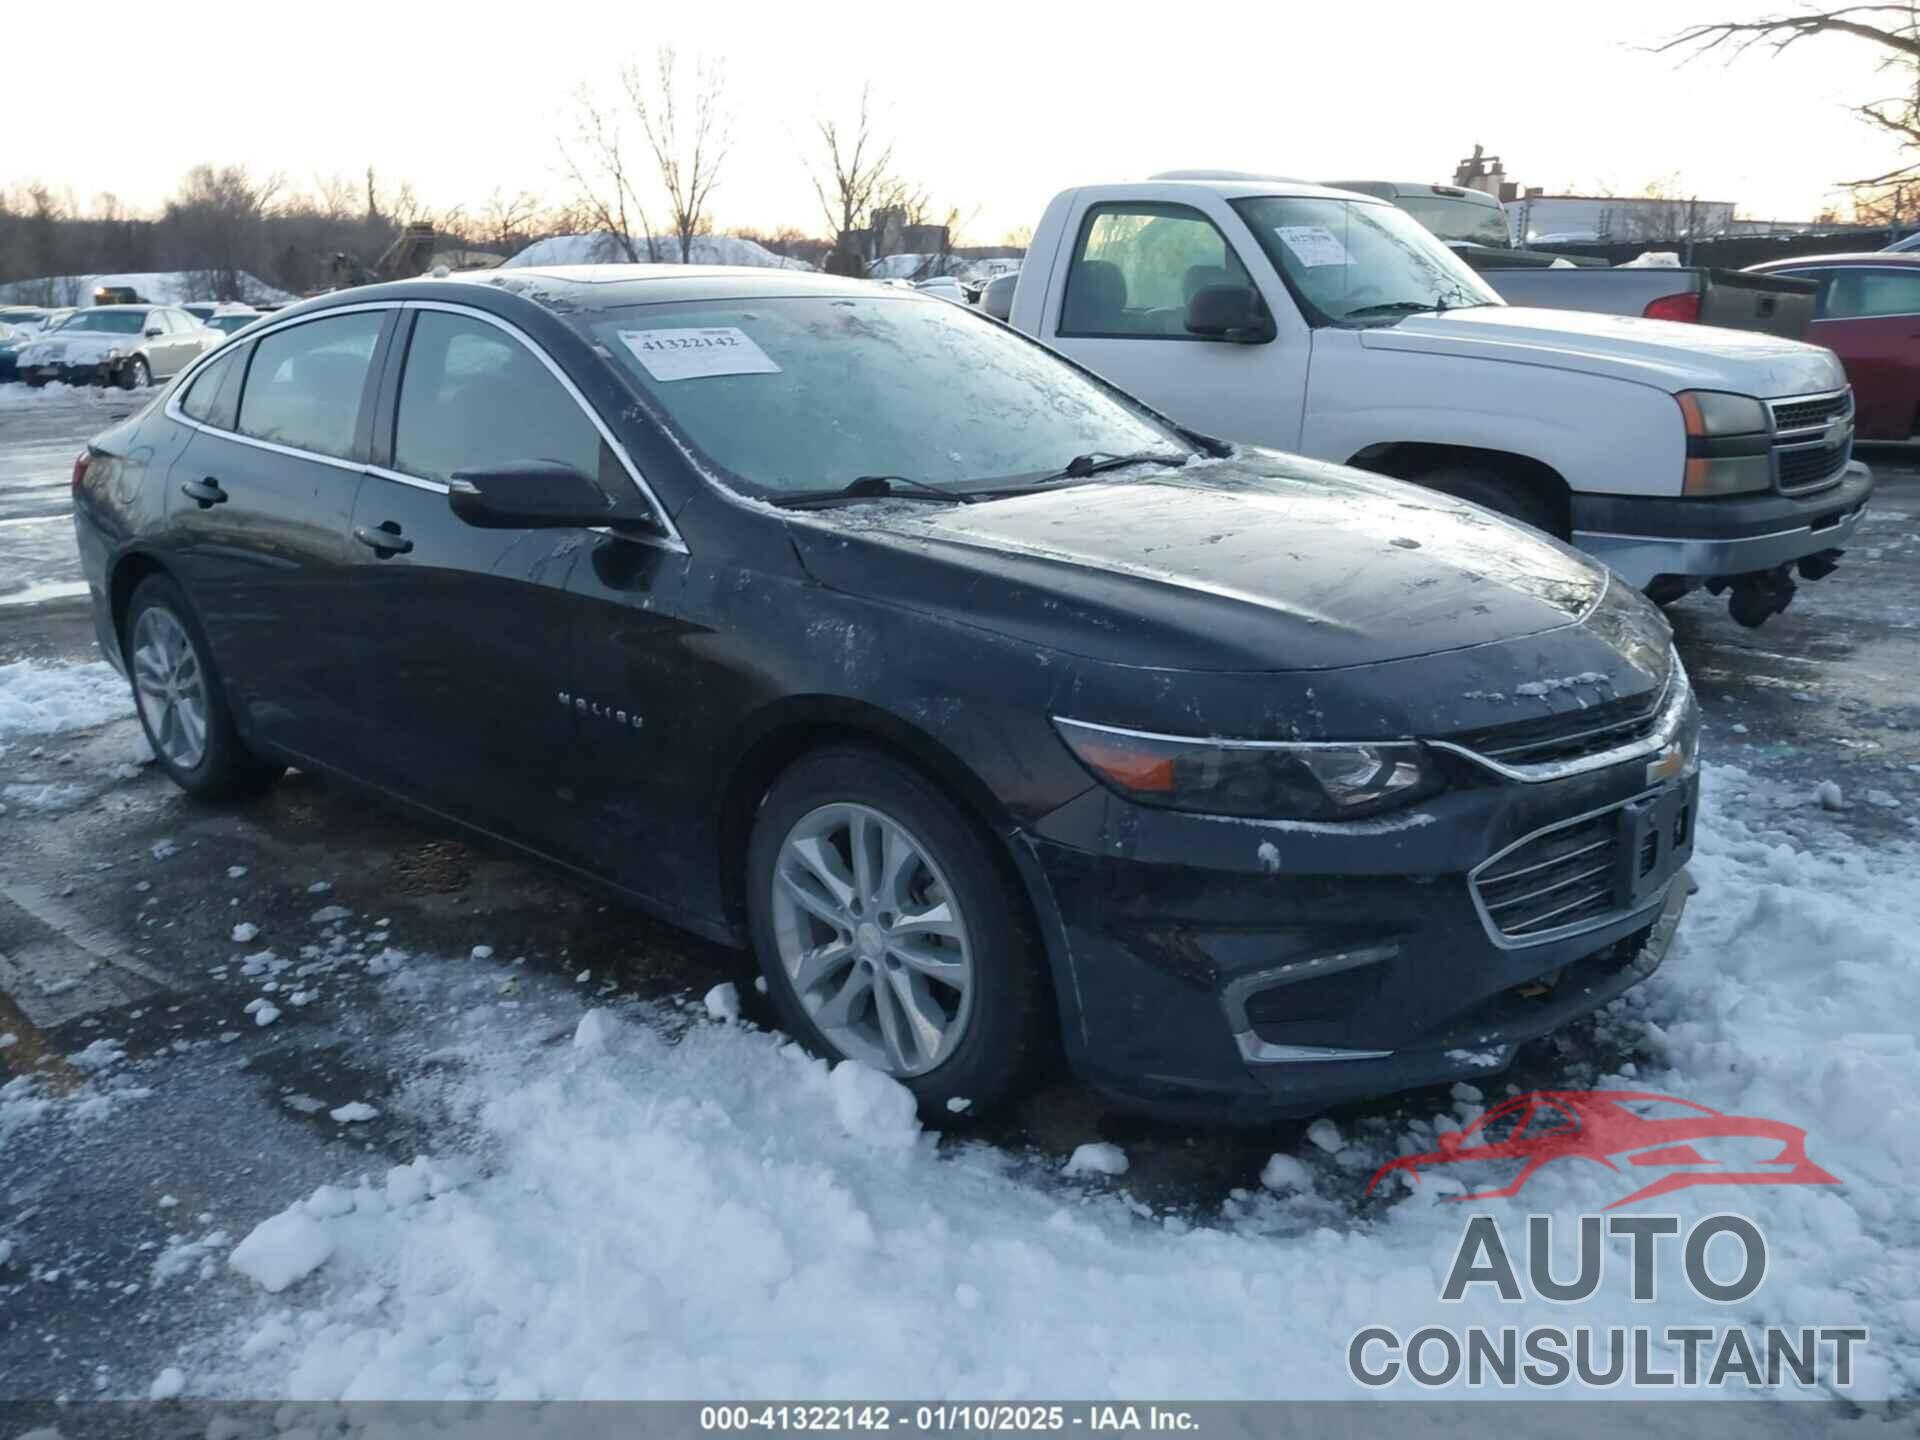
(173, 411)
(1134, 207)
(669, 537)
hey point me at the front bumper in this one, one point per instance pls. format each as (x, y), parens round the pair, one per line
(1705, 539)
(97, 372)
(1235, 971)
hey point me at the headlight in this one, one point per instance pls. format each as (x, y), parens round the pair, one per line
(1729, 443)
(1256, 780)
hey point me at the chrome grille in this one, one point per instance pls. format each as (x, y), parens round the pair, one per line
(1562, 877)
(1810, 451)
(1568, 735)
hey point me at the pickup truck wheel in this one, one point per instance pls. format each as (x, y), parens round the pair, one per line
(889, 934)
(1517, 499)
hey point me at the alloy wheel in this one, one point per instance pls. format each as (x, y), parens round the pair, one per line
(872, 938)
(171, 687)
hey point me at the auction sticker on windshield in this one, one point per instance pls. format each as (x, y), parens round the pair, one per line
(1313, 245)
(690, 354)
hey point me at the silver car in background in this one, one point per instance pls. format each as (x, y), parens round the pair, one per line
(126, 345)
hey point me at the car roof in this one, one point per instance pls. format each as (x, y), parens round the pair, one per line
(1235, 185)
(600, 287)
(1849, 257)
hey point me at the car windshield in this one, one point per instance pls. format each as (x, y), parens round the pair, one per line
(1354, 262)
(1458, 220)
(810, 393)
(111, 322)
(231, 323)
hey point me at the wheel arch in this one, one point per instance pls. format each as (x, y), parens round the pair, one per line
(1408, 460)
(799, 725)
(125, 577)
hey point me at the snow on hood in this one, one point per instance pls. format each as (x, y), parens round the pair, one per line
(1662, 353)
(604, 249)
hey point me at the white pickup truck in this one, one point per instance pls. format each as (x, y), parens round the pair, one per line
(1334, 325)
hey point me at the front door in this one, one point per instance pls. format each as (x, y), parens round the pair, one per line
(466, 632)
(1122, 312)
(257, 519)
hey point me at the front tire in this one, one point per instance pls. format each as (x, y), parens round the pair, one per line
(889, 932)
(135, 375)
(181, 700)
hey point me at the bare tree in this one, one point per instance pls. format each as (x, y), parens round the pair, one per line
(857, 177)
(689, 133)
(604, 181)
(215, 224)
(1892, 28)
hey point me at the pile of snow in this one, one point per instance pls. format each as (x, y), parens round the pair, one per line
(665, 1209)
(159, 287)
(605, 249)
(39, 698)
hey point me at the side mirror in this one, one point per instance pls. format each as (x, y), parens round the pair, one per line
(153, 330)
(531, 495)
(1230, 312)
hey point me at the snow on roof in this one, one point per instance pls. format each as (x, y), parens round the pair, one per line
(605, 249)
(154, 287)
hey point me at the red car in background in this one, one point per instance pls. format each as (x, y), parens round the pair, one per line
(1868, 313)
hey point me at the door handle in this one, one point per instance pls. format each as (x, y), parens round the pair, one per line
(206, 493)
(383, 539)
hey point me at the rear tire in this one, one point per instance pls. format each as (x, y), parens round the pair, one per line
(181, 700)
(928, 936)
(1522, 500)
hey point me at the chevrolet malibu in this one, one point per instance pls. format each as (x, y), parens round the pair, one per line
(999, 715)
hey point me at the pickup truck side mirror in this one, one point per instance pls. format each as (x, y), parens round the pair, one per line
(1230, 312)
(534, 495)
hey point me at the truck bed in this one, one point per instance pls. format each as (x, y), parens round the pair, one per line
(1731, 299)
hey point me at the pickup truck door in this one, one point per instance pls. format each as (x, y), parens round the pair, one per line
(1118, 306)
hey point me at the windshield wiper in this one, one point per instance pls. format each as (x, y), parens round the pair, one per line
(1397, 307)
(873, 487)
(1094, 461)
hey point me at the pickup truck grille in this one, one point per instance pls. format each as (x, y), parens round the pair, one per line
(1562, 877)
(1811, 450)
(1569, 735)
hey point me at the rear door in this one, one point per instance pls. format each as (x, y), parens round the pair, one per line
(465, 633)
(1133, 267)
(1870, 317)
(257, 519)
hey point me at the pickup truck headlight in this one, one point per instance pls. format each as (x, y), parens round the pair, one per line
(1254, 780)
(1729, 443)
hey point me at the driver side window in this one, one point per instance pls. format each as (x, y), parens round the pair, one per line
(1136, 267)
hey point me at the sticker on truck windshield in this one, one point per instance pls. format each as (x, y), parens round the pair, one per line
(690, 354)
(1313, 245)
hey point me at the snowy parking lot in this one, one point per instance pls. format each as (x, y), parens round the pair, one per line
(305, 1099)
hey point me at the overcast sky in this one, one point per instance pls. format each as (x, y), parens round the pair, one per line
(992, 109)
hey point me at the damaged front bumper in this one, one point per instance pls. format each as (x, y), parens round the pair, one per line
(1697, 540)
(1239, 971)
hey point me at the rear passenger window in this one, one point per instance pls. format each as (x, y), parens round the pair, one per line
(471, 395)
(202, 400)
(1138, 265)
(303, 388)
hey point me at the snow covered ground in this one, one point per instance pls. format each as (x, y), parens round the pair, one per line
(164, 287)
(643, 1199)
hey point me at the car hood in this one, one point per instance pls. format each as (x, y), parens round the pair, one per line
(1258, 563)
(1662, 353)
(79, 348)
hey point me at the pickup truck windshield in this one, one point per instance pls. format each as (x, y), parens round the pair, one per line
(1353, 262)
(809, 393)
